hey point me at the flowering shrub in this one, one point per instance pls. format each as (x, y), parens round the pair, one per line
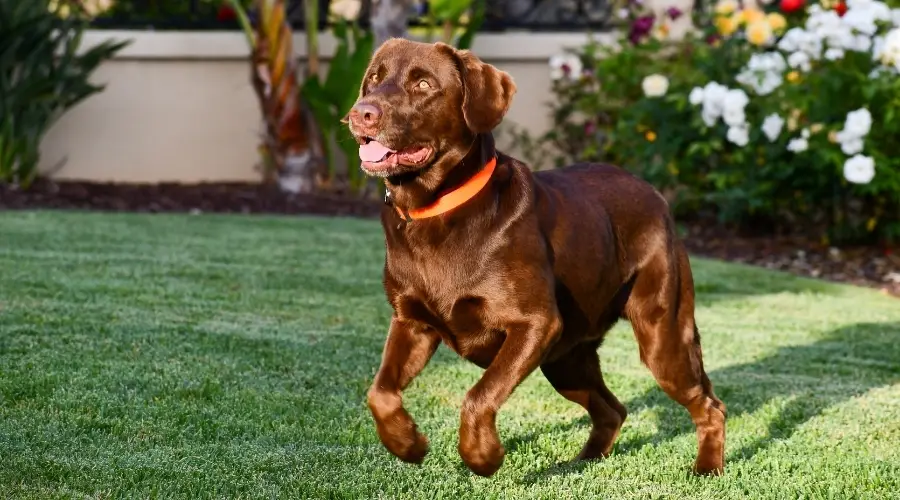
(784, 116)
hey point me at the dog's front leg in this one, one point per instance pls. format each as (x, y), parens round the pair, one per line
(526, 342)
(406, 352)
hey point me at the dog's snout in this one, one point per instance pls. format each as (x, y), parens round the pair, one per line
(365, 114)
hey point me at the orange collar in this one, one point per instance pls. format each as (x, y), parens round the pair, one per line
(452, 199)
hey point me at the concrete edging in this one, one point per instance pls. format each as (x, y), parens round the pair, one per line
(231, 45)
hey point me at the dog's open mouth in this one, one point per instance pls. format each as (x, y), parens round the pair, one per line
(376, 156)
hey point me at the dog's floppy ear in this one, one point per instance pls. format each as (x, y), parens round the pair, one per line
(487, 91)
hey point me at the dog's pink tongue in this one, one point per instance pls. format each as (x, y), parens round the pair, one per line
(373, 151)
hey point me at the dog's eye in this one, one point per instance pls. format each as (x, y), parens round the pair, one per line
(373, 77)
(424, 85)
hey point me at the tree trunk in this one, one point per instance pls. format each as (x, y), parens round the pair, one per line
(289, 154)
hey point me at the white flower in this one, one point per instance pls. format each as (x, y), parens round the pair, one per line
(825, 24)
(767, 61)
(763, 73)
(772, 126)
(345, 9)
(563, 65)
(842, 39)
(624, 13)
(895, 17)
(734, 117)
(877, 47)
(790, 42)
(859, 169)
(739, 135)
(857, 126)
(696, 96)
(858, 123)
(861, 43)
(655, 85)
(799, 60)
(713, 102)
(735, 99)
(889, 51)
(708, 117)
(798, 145)
(811, 45)
(860, 20)
(834, 54)
(733, 105)
(851, 146)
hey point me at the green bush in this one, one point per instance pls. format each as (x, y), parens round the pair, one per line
(44, 71)
(694, 117)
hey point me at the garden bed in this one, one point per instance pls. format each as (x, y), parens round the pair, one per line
(864, 266)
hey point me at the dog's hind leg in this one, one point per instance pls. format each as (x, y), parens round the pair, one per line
(577, 377)
(661, 311)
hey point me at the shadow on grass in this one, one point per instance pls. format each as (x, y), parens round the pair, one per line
(797, 382)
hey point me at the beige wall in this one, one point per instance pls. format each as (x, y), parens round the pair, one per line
(178, 107)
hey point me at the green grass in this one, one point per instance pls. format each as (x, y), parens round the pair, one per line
(228, 356)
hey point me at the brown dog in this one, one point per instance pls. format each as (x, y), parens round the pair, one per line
(515, 270)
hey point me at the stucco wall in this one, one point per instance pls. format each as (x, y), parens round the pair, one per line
(178, 106)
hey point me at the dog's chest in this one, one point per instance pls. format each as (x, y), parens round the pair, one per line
(450, 296)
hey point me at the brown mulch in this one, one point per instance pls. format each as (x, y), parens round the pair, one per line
(871, 266)
(865, 266)
(167, 197)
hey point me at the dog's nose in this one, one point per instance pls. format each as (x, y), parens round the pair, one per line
(366, 114)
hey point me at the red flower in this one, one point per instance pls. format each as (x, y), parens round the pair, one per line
(788, 6)
(841, 8)
(226, 13)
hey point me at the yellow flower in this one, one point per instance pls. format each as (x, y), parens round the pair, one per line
(662, 32)
(725, 7)
(828, 4)
(832, 137)
(650, 136)
(793, 120)
(751, 15)
(870, 225)
(793, 76)
(726, 25)
(777, 22)
(815, 128)
(792, 123)
(759, 32)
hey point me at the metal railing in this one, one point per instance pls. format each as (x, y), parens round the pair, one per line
(500, 15)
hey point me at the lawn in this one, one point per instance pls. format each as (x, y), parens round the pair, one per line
(228, 356)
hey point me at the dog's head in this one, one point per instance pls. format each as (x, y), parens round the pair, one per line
(421, 104)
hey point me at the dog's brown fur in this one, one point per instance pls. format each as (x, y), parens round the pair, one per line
(531, 272)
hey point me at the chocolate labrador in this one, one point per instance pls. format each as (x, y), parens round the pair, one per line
(514, 269)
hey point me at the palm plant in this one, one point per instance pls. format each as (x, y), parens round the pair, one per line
(290, 149)
(44, 72)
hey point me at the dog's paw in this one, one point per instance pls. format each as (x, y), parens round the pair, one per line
(484, 462)
(481, 450)
(414, 451)
(405, 442)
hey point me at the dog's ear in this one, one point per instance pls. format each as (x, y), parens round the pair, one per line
(487, 91)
